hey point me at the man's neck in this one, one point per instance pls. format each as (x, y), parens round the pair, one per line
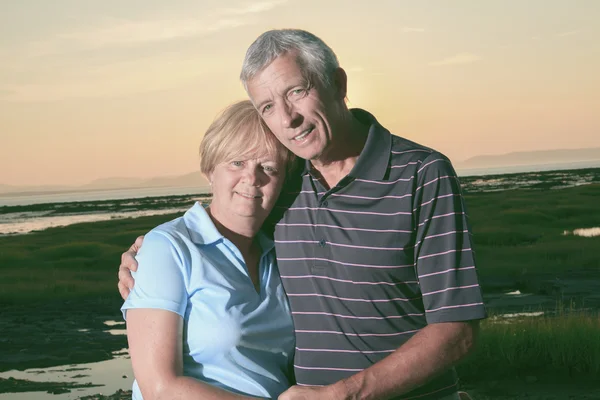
(332, 167)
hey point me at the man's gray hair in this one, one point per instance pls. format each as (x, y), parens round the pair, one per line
(316, 59)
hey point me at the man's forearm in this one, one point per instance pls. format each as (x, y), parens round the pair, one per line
(430, 352)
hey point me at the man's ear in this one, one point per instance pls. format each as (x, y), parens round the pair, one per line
(340, 81)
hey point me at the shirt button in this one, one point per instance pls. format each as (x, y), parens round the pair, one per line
(325, 203)
(322, 242)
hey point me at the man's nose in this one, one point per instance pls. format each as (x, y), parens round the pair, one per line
(290, 117)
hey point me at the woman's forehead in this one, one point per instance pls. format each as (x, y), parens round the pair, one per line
(258, 154)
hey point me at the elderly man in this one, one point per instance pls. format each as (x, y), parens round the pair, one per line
(373, 245)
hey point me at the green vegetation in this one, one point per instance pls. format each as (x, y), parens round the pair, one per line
(69, 262)
(518, 236)
(520, 240)
(564, 345)
(520, 244)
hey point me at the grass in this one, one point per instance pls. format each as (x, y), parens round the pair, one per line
(564, 345)
(519, 241)
(519, 238)
(67, 262)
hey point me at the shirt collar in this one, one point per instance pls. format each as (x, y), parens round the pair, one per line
(204, 232)
(373, 161)
(201, 228)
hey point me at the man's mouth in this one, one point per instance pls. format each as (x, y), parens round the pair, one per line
(304, 134)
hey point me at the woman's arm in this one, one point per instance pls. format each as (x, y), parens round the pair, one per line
(155, 346)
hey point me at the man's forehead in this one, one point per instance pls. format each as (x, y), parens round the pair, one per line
(282, 70)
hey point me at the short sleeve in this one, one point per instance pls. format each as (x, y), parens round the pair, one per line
(444, 254)
(160, 281)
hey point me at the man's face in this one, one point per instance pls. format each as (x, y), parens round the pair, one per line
(302, 117)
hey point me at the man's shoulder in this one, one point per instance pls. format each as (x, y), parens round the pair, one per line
(405, 148)
(401, 147)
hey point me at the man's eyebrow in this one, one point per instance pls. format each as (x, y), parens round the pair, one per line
(262, 103)
(304, 83)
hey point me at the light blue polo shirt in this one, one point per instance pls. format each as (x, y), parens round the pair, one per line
(234, 337)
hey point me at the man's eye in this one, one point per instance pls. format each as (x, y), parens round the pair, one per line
(297, 91)
(266, 108)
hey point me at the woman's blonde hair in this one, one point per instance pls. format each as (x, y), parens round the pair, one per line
(239, 133)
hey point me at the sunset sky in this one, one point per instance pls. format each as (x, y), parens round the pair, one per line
(115, 88)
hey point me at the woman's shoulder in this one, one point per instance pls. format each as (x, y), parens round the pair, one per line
(168, 235)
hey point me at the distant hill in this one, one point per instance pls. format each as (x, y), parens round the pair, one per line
(187, 180)
(523, 158)
(578, 158)
(113, 183)
(37, 189)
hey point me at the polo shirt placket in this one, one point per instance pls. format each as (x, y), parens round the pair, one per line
(322, 251)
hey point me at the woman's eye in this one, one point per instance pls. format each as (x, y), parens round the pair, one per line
(267, 108)
(237, 163)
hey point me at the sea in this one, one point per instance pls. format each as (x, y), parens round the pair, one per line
(30, 212)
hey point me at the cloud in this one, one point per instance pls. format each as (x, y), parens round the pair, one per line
(569, 33)
(149, 31)
(254, 8)
(5, 93)
(114, 80)
(123, 33)
(407, 29)
(461, 58)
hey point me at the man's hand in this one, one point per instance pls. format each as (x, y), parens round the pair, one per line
(128, 264)
(331, 392)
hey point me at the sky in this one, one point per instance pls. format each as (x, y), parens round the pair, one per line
(111, 88)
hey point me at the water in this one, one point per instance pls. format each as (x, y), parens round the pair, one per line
(542, 180)
(106, 376)
(516, 169)
(30, 213)
(36, 217)
(27, 223)
(109, 375)
(19, 199)
(585, 232)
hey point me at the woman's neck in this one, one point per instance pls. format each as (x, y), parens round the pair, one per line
(242, 235)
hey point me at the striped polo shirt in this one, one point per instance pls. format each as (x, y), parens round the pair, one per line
(371, 261)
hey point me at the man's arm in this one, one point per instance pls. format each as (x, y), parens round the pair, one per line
(433, 350)
(430, 352)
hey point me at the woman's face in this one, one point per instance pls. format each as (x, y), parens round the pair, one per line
(246, 188)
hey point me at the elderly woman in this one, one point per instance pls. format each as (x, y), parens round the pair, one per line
(208, 317)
